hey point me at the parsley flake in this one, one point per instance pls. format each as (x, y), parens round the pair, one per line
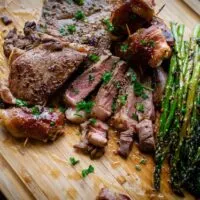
(140, 107)
(109, 25)
(62, 109)
(86, 106)
(87, 171)
(149, 43)
(106, 77)
(79, 15)
(79, 2)
(35, 111)
(122, 99)
(67, 29)
(143, 161)
(134, 116)
(93, 121)
(137, 167)
(93, 57)
(52, 124)
(73, 161)
(21, 103)
(124, 48)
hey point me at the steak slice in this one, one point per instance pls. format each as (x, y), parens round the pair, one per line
(93, 138)
(22, 123)
(107, 93)
(81, 87)
(106, 194)
(146, 136)
(39, 72)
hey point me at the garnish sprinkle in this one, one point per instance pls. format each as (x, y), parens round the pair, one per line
(79, 15)
(79, 2)
(93, 121)
(86, 106)
(140, 107)
(67, 29)
(109, 25)
(21, 103)
(73, 161)
(52, 124)
(106, 77)
(124, 48)
(122, 99)
(143, 161)
(35, 111)
(85, 172)
(93, 57)
(137, 167)
(149, 43)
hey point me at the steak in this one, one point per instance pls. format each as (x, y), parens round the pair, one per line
(39, 72)
(106, 194)
(146, 137)
(81, 87)
(107, 93)
(43, 126)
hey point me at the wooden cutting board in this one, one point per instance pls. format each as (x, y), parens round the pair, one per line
(42, 171)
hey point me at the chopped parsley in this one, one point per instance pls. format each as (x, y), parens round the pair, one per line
(62, 109)
(50, 110)
(122, 99)
(35, 111)
(21, 103)
(149, 43)
(93, 57)
(118, 84)
(79, 15)
(79, 2)
(73, 161)
(67, 29)
(86, 106)
(93, 121)
(52, 124)
(124, 48)
(135, 117)
(106, 77)
(140, 107)
(137, 167)
(91, 78)
(143, 161)
(109, 25)
(87, 171)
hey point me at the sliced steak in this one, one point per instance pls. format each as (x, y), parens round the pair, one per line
(24, 123)
(106, 194)
(81, 87)
(39, 72)
(107, 93)
(93, 138)
(146, 136)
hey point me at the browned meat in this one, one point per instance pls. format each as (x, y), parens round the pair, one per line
(108, 92)
(88, 80)
(160, 81)
(124, 122)
(6, 21)
(39, 72)
(148, 44)
(25, 123)
(158, 22)
(93, 138)
(146, 137)
(106, 194)
(58, 15)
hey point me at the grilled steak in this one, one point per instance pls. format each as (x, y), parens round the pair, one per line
(146, 137)
(108, 92)
(80, 88)
(39, 72)
(22, 123)
(93, 138)
(106, 194)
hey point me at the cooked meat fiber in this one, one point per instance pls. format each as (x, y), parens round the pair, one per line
(22, 123)
(39, 72)
(149, 44)
(106, 194)
(132, 14)
(102, 109)
(93, 138)
(146, 136)
(81, 87)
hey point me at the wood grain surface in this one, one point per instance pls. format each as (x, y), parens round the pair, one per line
(42, 171)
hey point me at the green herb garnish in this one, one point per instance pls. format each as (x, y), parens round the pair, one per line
(51, 110)
(62, 109)
(67, 29)
(91, 78)
(135, 117)
(109, 25)
(52, 124)
(122, 99)
(94, 58)
(79, 15)
(140, 107)
(124, 48)
(21, 103)
(73, 161)
(106, 77)
(143, 161)
(86, 106)
(150, 43)
(79, 2)
(137, 167)
(85, 172)
(93, 121)
(35, 111)
(71, 29)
